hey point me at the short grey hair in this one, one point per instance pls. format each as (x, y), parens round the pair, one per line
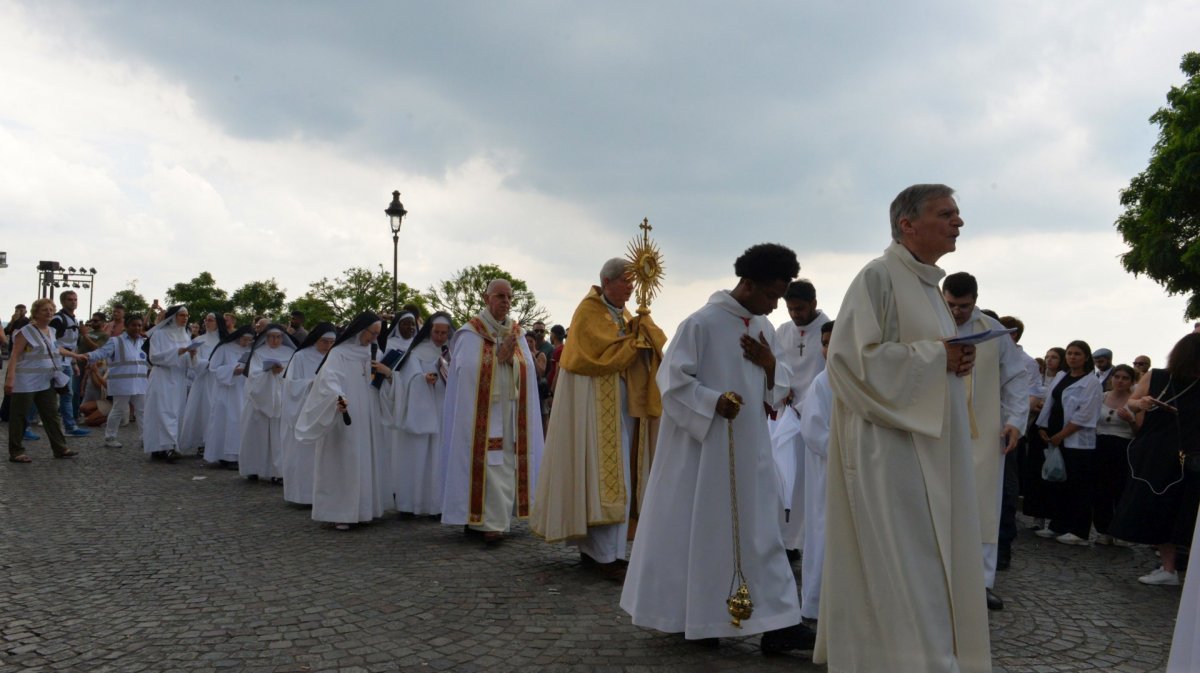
(908, 203)
(491, 283)
(616, 267)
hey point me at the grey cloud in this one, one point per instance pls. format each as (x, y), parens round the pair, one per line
(727, 123)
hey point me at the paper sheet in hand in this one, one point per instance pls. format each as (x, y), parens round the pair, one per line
(980, 337)
(268, 365)
(195, 345)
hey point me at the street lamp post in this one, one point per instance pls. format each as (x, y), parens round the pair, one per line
(395, 212)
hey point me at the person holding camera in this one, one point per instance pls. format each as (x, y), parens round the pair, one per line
(35, 378)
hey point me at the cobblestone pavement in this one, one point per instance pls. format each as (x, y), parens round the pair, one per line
(116, 563)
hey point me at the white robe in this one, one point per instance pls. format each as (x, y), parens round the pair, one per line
(903, 574)
(1185, 646)
(999, 395)
(195, 413)
(348, 479)
(800, 349)
(682, 562)
(227, 398)
(297, 455)
(414, 409)
(166, 396)
(261, 430)
(814, 425)
(501, 480)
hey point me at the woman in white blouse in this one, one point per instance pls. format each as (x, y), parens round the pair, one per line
(1113, 432)
(1068, 421)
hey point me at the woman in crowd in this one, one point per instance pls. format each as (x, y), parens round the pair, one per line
(1039, 494)
(166, 397)
(227, 389)
(31, 381)
(1113, 432)
(1160, 501)
(195, 414)
(1068, 421)
(262, 431)
(297, 456)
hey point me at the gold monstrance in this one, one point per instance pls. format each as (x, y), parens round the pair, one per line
(645, 267)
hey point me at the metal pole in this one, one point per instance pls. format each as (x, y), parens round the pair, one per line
(395, 275)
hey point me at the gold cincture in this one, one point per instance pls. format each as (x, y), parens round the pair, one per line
(739, 603)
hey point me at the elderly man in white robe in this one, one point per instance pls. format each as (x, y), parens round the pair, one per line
(492, 425)
(261, 426)
(903, 555)
(683, 563)
(412, 414)
(797, 345)
(998, 394)
(605, 396)
(166, 397)
(341, 415)
(814, 428)
(298, 456)
(227, 398)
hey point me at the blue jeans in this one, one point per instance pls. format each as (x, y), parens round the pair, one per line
(68, 405)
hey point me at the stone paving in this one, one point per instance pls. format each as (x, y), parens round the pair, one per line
(116, 563)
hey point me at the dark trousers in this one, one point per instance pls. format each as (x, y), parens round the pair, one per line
(46, 402)
(1008, 502)
(1073, 509)
(1039, 493)
(1112, 471)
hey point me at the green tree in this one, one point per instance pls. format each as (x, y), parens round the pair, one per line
(1161, 222)
(358, 289)
(130, 298)
(462, 295)
(200, 295)
(259, 297)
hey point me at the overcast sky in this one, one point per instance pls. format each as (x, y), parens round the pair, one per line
(256, 140)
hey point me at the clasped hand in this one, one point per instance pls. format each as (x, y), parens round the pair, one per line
(960, 358)
(507, 347)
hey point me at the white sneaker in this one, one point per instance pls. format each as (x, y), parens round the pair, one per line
(1160, 577)
(1045, 532)
(1071, 538)
(112, 443)
(1104, 539)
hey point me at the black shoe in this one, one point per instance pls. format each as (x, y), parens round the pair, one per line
(798, 637)
(158, 455)
(793, 555)
(172, 456)
(993, 601)
(712, 643)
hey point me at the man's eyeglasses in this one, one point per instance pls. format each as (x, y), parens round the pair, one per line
(1141, 364)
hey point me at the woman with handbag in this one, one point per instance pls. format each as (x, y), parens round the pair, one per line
(1068, 423)
(1039, 494)
(33, 377)
(1159, 504)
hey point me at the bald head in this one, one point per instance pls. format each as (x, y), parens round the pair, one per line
(498, 297)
